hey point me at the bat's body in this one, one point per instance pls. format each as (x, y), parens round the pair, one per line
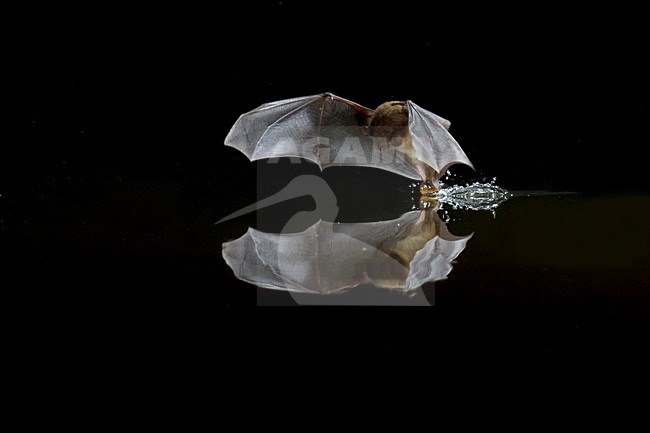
(390, 121)
(398, 136)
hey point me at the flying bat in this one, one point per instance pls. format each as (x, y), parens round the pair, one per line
(397, 136)
(399, 255)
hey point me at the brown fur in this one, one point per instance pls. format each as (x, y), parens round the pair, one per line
(391, 266)
(390, 121)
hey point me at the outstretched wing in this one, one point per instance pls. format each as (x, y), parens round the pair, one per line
(432, 143)
(331, 257)
(325, 258)
(325, 129)
(309, 127)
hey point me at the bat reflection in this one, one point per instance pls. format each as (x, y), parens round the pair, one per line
(399, 255)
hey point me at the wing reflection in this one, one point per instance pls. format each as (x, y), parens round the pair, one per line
(399, 255)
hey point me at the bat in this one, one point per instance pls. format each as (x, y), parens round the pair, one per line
(326, 258)
(397, 136)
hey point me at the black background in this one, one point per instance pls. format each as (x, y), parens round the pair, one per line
(121, 114)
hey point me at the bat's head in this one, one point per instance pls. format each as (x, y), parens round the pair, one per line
(393, 113)
(390, 120)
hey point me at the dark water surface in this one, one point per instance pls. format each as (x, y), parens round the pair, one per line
(581, 255)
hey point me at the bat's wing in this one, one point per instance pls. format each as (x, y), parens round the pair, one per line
(432, 143)
(325, 129)
(434, 261)
(330, 257)
(306, 127)
(325, 258)
(318, 260)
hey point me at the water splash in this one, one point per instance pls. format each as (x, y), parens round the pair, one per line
(475, 196)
